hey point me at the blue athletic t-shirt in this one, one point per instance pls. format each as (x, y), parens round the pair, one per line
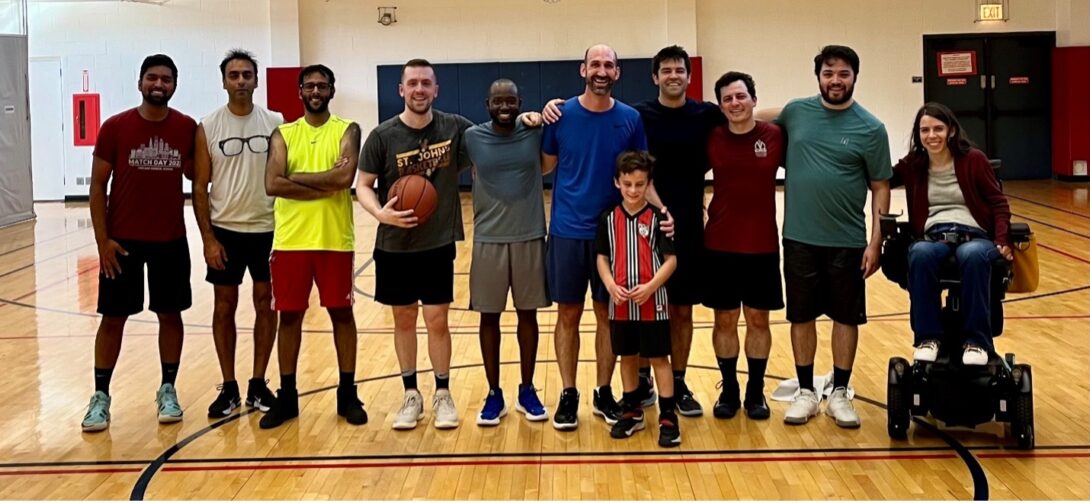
(587, 144)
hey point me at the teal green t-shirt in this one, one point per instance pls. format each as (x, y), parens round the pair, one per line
(832, 155)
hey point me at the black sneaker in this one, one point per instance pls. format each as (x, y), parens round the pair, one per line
(259, 396)
(669, 433)
(285, 408)
(629, 423)
(349, 405)
(607, 407)
(728, 404)
(686, 404)
(646, 392)
(757, 409)
(226, 403)
(567, 411)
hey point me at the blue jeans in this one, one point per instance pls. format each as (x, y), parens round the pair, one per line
(974, 258)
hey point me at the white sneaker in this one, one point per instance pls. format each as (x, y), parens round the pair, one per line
(840, 409)
(927, 351)
(412, 410)
(446, 414)
(974, 355)
(806, 405)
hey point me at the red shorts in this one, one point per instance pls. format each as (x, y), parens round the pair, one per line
(293, 272)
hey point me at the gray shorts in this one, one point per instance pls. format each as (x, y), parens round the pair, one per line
(499, 267)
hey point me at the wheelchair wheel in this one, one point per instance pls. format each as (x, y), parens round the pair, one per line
(898, 398)
(1009, 358)
(1021, 416)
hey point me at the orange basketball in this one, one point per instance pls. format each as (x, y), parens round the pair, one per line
(415, 192)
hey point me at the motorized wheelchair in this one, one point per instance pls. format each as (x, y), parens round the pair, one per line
(956, 394)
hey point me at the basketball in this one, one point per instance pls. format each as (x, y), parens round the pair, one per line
(415, 192)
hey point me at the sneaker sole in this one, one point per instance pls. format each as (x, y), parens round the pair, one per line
(690, 412)
(672, 443)
(258, 405)
(603, 415)
(626, 434)
(796, 420)
(408, 426)
(222, 414)
(95, 427)
(163, 419)
(650, 401)
(490, 422)
(530, 417)
(566, 426)
(446, 425)
(851, 425)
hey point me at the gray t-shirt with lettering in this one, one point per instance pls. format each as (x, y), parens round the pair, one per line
(436, 152)
(508, 202)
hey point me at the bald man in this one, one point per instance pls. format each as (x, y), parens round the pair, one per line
(582, 149)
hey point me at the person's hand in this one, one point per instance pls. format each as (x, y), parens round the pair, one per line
(667, 225)
(389, 216)
(107, 258)
(1006, 252)
(641, 293)
(617, 293)
(341, 163)
(533, 119)
(871, 260)
(551, 112)
(214, 254)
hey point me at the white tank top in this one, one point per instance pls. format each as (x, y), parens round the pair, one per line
(237, 196)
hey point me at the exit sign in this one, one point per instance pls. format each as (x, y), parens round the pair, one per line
(991, 12)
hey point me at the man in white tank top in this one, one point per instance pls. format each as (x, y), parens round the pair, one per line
(236, 223)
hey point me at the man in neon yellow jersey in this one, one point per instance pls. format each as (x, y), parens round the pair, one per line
(311, 165)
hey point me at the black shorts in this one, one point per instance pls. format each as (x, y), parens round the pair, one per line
(403, 278)
(649, 339)
(168, 279)
(245, 250)
(824, 280)
(683, 288)
(736, 279)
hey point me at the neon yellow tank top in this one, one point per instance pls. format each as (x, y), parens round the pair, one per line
(320, 224)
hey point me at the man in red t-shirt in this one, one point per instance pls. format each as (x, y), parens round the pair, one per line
(743, 254)
(143, 153)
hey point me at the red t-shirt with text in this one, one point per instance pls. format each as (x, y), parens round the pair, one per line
(148, 157)
(742, 214)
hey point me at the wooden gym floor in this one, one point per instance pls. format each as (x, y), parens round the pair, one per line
(48, 278)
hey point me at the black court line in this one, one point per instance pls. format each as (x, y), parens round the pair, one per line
(43, 241)
(1038, 203)
(1053, 226)
(980, 481)
(51, 257)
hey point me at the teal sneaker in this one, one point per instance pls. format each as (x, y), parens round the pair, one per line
(98, 413)
(167, 400)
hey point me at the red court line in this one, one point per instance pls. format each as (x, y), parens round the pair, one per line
(71, 471)
(1020, 455)
(1061, 252)
(544, 462)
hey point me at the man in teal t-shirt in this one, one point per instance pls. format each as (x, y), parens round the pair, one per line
(836, 151)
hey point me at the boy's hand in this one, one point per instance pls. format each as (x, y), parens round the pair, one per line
(617, 293)
(641, 293)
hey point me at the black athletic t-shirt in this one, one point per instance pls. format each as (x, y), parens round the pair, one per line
(677, 137)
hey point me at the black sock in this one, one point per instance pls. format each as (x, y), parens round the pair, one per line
(841, 377)
(679, 375)
(666, 405)
(442, 381)
(806, 376)
(348, 379)
(170, 372)
(230, 388)
(287, 382)
(728, 369)
(408, 378)
(645, 373)
(755, 385)
(102, 380)
(255, 383)
(605, 390)
(629, 401)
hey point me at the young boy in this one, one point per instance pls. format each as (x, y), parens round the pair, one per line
(635, 258)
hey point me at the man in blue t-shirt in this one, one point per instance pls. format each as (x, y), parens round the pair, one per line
(582, 149)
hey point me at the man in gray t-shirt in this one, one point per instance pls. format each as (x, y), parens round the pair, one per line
(508, 243)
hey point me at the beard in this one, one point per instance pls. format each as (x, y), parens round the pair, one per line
(845, 95)
(417, 108)
(319, 109)
(600, 89)
(159, 101)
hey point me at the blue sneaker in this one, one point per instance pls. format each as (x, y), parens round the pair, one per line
(493, 410)
(530, 405)
(98, 413)
(167, 401)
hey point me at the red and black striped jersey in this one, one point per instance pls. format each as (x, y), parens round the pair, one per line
(636, 248)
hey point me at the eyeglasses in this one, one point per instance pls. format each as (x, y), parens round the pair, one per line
(312, 86)
(258, 144)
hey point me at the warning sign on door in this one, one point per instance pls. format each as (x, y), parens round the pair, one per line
(957, 63)
(1019, 81)
(956, 82)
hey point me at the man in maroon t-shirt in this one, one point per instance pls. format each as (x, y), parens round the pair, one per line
(143, 153)
(740, 240)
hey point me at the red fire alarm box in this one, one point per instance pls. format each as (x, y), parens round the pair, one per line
(85, 119)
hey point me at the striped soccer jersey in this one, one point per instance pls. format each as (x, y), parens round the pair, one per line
(636, 248)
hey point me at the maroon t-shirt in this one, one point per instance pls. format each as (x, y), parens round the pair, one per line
(146, 201)
(742, 214)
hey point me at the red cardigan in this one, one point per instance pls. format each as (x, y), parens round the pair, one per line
(981, 190)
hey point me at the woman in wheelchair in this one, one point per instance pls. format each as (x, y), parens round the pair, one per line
(955, 207)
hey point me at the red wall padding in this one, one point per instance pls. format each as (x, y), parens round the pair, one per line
(283, 91)
(696, 79)
(1070, 108)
